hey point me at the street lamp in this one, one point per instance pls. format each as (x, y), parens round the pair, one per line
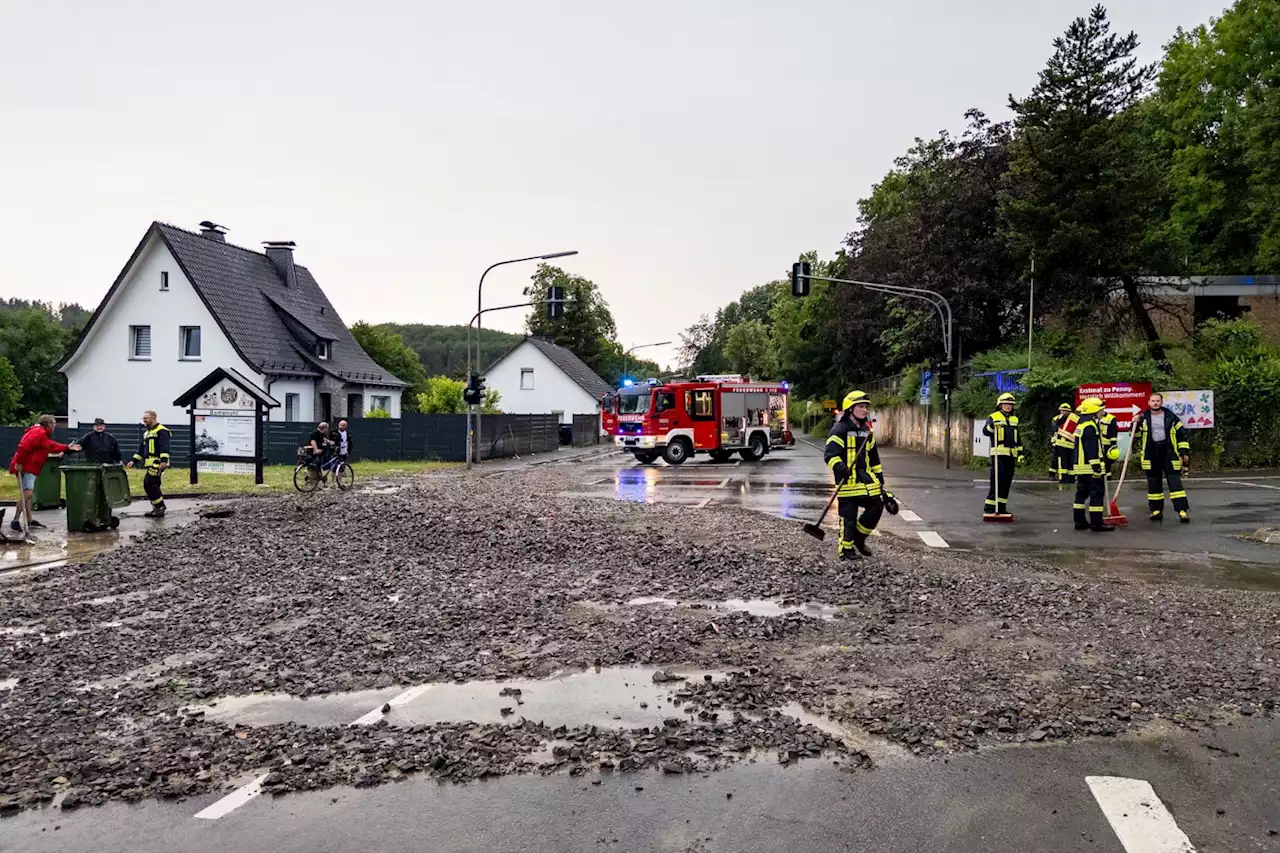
(479, 311)
(633, 349)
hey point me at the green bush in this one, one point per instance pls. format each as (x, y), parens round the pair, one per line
(378, 414)
(822, 427)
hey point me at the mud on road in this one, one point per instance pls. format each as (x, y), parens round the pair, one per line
(126, 677)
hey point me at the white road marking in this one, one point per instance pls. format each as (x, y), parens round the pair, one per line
(932, 539)
(234, 800)
(245, 793)
(1139, 819)
(1255, 485)
(908, 515)
(702, 503)
(724, 484)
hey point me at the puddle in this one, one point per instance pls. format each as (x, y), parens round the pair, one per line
(136, 595)
(756, 607)
(1201, 570)
(149, 674)
(615, 697)
(383, 490)
(882, 751)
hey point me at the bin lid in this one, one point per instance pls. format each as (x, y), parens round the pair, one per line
(115, 483)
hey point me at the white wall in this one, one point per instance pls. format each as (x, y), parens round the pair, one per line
(382, 391)
(306, 391)
(553, 391)
(102, 381)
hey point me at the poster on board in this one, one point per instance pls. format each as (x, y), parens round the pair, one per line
(1195, 408)
(225, 435)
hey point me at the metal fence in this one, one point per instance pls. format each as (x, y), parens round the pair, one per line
(412, 437)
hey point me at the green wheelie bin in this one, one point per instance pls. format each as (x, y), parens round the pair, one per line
(90, 498)
(48, 490)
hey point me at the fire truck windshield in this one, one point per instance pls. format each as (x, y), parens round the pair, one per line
(633, 402)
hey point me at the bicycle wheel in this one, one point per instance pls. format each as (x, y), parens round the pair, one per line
(306, 478)
(344, 476)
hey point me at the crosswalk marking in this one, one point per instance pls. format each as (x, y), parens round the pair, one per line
(933, 540)
(1137, 816)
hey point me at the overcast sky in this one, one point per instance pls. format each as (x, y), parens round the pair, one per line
(688, 150)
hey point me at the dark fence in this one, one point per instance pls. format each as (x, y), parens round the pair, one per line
(586, 430)
(413, 437)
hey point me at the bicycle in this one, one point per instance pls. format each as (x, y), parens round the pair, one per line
(315, 473)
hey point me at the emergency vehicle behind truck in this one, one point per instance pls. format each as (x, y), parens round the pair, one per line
(716, 415)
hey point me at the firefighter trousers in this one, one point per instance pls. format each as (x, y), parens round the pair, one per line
(1162, 456)
(998, 491)
(1063, 460)
(151, 485)
(1090, 497)
(854, 530)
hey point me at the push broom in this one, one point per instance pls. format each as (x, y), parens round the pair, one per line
(1114, 515)
(997, 515)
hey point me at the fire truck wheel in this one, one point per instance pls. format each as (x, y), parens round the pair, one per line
(646, 458)
(757, 447)
(721, 455)
(677, 451)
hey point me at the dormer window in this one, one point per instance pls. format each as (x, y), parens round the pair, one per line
(322, 350)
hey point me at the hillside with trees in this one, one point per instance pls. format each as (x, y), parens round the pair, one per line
(1108, 175)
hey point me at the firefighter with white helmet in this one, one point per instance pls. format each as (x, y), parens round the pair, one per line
(852, 456)
(1006, 452)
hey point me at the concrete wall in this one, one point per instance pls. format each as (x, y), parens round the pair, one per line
(104, 381)
(923, 430)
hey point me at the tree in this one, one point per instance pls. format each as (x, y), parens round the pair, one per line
(443, 349)
(1220, 110)
(1084, 189)
(10, 394)
(749, 349)
(586, 325)
(391, 353)
(804, 334)
(443, 396)
(34, 342)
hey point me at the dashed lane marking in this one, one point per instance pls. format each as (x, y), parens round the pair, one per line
(1255, 485)
(249, 791)
(1137, 816)
(908, 515)
(933, 540)
(702, 504)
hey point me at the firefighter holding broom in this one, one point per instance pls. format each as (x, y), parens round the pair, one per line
(1006, 452)
(1090, 469)
(852, 456)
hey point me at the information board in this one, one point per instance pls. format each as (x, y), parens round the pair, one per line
(1122, 399)
(1195, 408)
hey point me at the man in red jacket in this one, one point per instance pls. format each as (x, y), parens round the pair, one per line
(28, 460)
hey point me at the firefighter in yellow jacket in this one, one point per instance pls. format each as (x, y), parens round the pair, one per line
(1006, 452)
(153, 454)
(852, 456)
(1161, 444)
(1060, 447)
(1089, 469)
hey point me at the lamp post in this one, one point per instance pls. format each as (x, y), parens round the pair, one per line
(633, 349)
(475, 443)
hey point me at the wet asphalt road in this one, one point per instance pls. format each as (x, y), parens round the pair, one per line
(946, 507)
(1221, 786)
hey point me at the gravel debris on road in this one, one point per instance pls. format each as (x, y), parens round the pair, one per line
(455, 579)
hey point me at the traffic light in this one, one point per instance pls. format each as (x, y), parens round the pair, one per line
(945, 376)
(473, 394)
(800, 272)
(555, 303)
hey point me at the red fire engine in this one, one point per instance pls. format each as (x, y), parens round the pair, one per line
(717, 415)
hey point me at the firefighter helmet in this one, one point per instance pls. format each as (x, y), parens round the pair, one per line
(1090, 406)
(853, 398)
(1065, 407)
(1006, 398)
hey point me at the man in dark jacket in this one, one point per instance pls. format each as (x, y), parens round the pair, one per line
(100, 445)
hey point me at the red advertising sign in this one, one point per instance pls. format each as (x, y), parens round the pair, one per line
(1125, 400)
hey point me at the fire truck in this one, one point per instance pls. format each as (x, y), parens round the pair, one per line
(718, 415)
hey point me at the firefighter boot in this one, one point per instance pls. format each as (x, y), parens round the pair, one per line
(860, 542)
(1158, 515)
(156, 512)
(1183, 517)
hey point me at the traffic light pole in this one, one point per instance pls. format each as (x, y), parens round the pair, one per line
(474, 441)
(939, 303)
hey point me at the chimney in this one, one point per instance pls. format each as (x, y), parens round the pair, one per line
(280, 253)
(213, 231)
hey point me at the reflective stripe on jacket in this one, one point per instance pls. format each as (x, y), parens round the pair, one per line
(1088, 447)
(1005, 435)
(1174, 432)
(154, 448)
(851, 452)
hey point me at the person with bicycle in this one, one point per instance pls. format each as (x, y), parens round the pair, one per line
(321, 446)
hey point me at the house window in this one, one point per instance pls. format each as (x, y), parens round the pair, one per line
(526, 379)
(291, 407)
(322, 350)
(381, 402)
(140, 343)
(164, 280)
(189, 336)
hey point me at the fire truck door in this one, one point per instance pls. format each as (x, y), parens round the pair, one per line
(733, 419)
(700, 404)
